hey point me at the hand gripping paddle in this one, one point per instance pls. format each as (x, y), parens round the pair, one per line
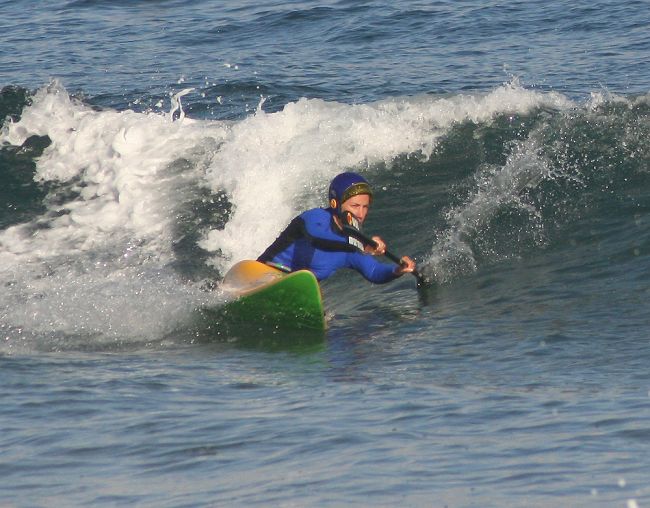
(351, 227)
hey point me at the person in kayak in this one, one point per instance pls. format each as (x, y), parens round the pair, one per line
(315, 239)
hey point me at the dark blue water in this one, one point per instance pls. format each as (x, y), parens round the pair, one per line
(147, 146)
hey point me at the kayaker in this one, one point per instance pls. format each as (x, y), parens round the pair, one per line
(315, 240)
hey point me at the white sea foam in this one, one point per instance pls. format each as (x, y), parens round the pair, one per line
(119, 163)
(96, 261)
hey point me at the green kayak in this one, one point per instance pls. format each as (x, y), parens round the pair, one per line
(265, 296)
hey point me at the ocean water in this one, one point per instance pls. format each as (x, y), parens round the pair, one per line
(146, 146)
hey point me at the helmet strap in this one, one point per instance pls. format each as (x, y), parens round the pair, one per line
(349, 220)
(351, 227)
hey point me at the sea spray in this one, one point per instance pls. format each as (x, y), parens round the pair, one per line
(95, 266)
(119, 169)
(566, 166)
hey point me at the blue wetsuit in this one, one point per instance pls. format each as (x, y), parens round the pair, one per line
(313, 242)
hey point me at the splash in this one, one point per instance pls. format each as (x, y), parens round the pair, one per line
(121, 169)
(96, 264)
(496, 188)
(136, 195)
(574, 164)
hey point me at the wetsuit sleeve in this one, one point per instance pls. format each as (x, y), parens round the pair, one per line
(373, 270)
(318, 229)
(294, 231)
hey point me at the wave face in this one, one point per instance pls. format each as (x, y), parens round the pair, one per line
(142, 201)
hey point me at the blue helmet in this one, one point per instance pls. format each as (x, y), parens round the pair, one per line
(345, 186)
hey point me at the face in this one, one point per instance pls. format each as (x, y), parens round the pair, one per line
(357, 206)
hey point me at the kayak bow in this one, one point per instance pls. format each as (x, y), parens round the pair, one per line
(270, 297)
